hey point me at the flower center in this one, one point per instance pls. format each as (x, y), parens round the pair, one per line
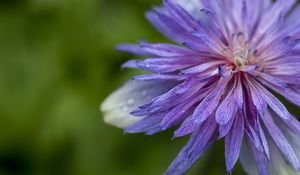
(241, 57)
(240, 52)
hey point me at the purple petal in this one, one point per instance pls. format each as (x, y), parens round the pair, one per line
(210, 102)
(254, 135)
(180, 110)
(159, 77)
(273, 80)
(239, 95)
(130, 64)
(286, 67)
(175, 96)
(199, 142)
(168, 26)
(132, 48)
(224, 129)
(203, 111)
(165, 65)
(181, 14)
(258, 100)
(268, 78)
(202, 67)
(280, 6)
(290, 94)
(233, 142)
(274, 103)
(227, 109)
(146, 124)
(208, 42)
(157, 50)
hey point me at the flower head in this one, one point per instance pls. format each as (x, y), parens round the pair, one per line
(218, 82)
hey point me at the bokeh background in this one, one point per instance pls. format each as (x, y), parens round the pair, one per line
(57, 63)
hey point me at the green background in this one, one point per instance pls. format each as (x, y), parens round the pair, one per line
(57, 63)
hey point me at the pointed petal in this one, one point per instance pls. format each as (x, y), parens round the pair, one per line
(280, 6)
(179, 93)
(233, 142)
(278, 165)
(169, 26)
(203, 111)
(165, 65)
(227, 109)
(263, 139)
(274, 103)
(159, 77)
(117, 106)
(258, 100)
(150, 125)
(157, 50)
(199, 142)
(253, 161)
(202, 67)
(247, 160)
(280, 140)
(130, 64)
(224, 129)
(239, 94)
(290, 94)
(180, 14)
(182, 111)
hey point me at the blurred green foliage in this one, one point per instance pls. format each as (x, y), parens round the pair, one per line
(57, 63)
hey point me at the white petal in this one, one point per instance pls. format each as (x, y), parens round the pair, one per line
(278, 165)
(247, 160)
(294, 140)
(118, 105)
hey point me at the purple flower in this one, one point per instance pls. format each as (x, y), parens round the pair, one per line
(221, 81)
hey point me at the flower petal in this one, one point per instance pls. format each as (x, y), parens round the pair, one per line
(204, 110)
(118, 105)
(150, 125)
(165, 65)
(200, 140)
(157, 50)
(280, 140)
(247, 160)
(290, 94)
(257, 98)
(227, 109)
(233, 142)
(274, 103)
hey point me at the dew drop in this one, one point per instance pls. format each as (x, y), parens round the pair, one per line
(144, 93)
(130, 101)
(125, 108)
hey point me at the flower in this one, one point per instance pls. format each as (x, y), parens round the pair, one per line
(220, 81)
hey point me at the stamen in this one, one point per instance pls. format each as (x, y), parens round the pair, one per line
(241, 53)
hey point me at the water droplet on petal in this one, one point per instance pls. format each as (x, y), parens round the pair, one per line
(125, 108)
(144, 93)
(130, 101)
